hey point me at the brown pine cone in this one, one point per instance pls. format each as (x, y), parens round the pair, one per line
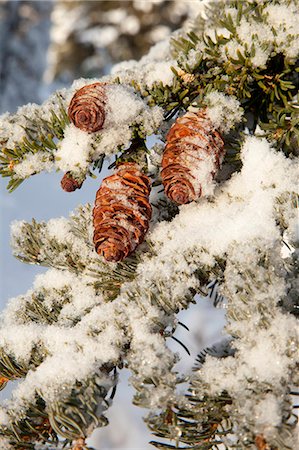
(122, 212)
(87, 107)
(70, 184)
(193, 154)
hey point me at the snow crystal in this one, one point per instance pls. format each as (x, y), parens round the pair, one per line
(260, 58)
(223, 110)
(158, 52)
(19, 340)
(54, 278)
(83, 297)
(267, 411)
(73, 153)
(16, 229)
(32, 164)
(59, 228)
(284, 20)
(4, 419)
(160, 72)
(5, 443)
(152, 68)
(123, 105)
(110, 139)
(201, 170)
(249, 28)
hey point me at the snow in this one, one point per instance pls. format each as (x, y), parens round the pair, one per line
(283, 19)
(32, 164)
(5, 443)
(19, 340)
(101, 37)
(73, 152)
(152, 68)
(123, 105)
(223, 110)
(267, 412)
(59, 229)
(159, 71)
(4, 418)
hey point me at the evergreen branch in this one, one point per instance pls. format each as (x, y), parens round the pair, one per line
(201, 424)
(41, 136)
(34, 244)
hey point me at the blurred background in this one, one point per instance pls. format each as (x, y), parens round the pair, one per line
(45, 45)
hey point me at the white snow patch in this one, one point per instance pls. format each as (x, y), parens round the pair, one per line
(73, 153)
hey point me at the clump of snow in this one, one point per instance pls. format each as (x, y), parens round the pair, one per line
(123, 105)
(283, 19)
(16, 229)
(59, 229)
(21, 348)
(223, 110)
(4, 417)
(5, 443)
(159, 72)
(267, 412)
(53, 278)
(73, 154)
(152, 68)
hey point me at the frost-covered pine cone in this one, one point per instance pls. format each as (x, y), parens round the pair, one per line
(193, 154)
(87, 107)
(122, 212)
(69, 183)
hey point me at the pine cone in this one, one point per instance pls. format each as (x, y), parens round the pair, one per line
(122, 212)
(70, 184)
(87, 107)
(193, 154)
